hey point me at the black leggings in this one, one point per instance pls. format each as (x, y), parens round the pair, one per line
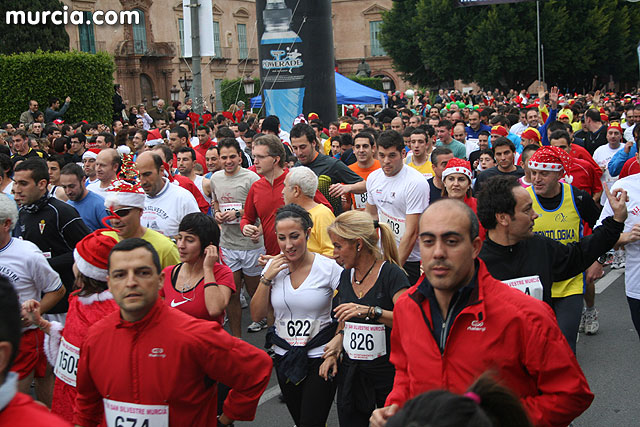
(634, 307)
(310, 401)
(379, 379)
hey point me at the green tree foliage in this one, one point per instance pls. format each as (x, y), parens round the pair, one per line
(233, 91)
(433, 41)
(86, 78)
(371, 82)
(18, 38)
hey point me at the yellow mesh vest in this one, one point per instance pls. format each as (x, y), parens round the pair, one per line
(563, 225)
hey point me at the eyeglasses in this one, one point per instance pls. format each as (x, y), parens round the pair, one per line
(120, 212)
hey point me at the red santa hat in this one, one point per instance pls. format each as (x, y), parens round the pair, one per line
(154, 138)
(91, 153)
(499, 130)
(58, 121)
(549, 158)
(299, 119)
(92, 254)
(126, 189)
(456, 165)
(616, 126)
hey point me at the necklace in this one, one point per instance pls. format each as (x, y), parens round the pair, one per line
(359, 282)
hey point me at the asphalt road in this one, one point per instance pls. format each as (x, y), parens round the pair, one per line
(609, 360)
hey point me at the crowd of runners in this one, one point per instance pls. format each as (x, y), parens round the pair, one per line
(428, 263)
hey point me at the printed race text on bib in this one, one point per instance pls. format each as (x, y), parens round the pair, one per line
(530, 285)
(124, 414)
(67, 362)
(226, 207)
(361, 200)
(297, 332)
(397, 225)
(364, 342)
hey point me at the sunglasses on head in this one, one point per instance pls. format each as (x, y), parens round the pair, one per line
(122, 212)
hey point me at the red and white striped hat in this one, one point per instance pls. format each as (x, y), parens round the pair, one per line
(91, 255)
(126, 189)
(552, 159)
(456, 165)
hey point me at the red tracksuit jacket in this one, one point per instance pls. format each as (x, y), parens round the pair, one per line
(500, 329)
(163, 359)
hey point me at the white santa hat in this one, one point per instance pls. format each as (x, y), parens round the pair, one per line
(126, 189)
(91, 255)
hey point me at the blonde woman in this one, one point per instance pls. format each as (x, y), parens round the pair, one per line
(370, 284)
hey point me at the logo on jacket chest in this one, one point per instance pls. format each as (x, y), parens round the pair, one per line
(157, 352)
(476, 325)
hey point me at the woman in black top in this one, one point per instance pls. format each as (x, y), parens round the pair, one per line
(369, 286)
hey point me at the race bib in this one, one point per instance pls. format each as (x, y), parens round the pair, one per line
(363, 341)
(124, 414)
(361, 200)
(397, 225)
(297, 332)
(226, 207)
(530, 285)
(67, 362)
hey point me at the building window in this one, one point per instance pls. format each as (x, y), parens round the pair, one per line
(217, 49)
(243, 51)
(87, 39)
(140, 34)
(181, 35)
(374, 34)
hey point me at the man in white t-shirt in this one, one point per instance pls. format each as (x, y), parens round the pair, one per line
(230, 189)
(186, 158)
(33, 279)
(166, 203)
(630, 240)
(397, 196)
(107, 164)
(604, 153)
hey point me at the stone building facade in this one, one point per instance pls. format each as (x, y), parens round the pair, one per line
(149, 55)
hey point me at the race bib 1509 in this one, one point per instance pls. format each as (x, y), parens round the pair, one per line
(67, 362)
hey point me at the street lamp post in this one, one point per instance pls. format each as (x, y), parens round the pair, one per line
(185, 84)
(386, 83)
(249, 85)
(175, 93)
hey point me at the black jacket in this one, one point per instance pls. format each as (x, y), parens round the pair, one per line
(550, 260)
(55, 227)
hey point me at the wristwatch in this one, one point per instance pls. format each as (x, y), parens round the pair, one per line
(377, 312)
(602, 260)
(238, 214)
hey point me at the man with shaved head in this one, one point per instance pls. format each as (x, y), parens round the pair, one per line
(107, 165)
(457, 308)
(166, 203)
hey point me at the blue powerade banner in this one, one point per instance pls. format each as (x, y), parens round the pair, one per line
(296, 59)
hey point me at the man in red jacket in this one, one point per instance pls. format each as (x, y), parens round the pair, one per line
(458, 322)
(150, 364)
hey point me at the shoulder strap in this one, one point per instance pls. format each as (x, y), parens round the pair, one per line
(174, 274)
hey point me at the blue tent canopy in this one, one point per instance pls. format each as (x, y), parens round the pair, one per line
(347, 92)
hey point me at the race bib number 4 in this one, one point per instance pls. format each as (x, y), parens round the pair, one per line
(364, 342)
(124, 414)
(226, 207)
(297, 332)
(361, 200)
(67, 362)
(530, 285)
(397, 225)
